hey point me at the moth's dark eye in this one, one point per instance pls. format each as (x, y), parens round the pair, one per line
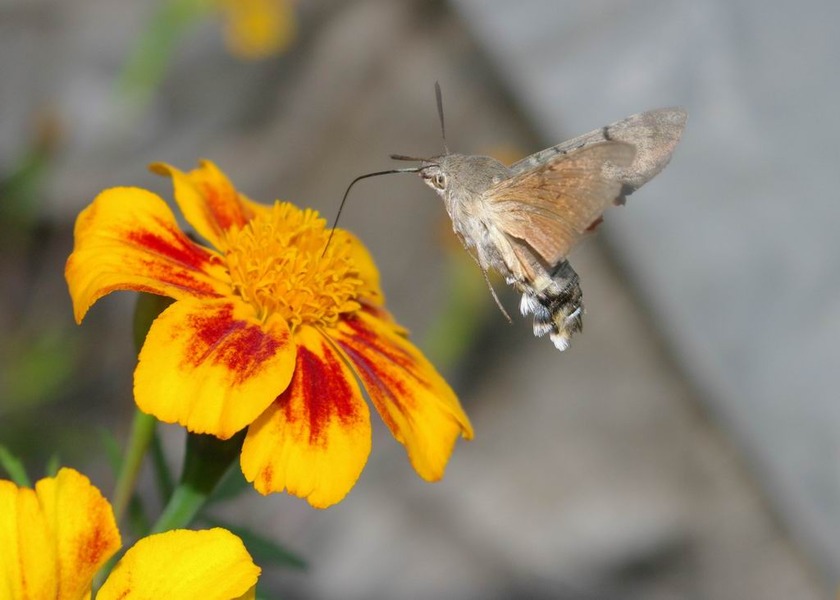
(439, 181)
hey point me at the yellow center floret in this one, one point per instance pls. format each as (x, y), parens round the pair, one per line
(276, 265)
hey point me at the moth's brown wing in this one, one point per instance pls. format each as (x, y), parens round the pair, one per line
(654, 135)
(551, 207)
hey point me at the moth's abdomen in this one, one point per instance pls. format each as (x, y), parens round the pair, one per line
(557, 305)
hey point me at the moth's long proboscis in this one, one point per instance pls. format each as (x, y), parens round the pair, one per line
(347, 193)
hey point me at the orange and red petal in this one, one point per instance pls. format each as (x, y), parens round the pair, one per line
(209, 202)
(212, 366)
(212, 564)
(419, 407)
(128, 239)
(54, 538)
(314, 440)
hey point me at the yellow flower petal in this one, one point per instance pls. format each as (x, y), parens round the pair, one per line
(313, 440)
(83, 523)
(276, 301)
(128, 239)
(419, 407)
(53, 539)
(212, 366)
(258, 28)
(367, 268)
(249, 595)
(209, 202)
(211, 564)
(27, 552)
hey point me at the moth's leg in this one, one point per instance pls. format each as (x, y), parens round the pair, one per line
(483, 261)
(495, 297)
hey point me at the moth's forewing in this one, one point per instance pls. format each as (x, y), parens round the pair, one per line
(551, 206)
(654, 134)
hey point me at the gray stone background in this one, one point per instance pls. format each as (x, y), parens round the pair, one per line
(683, 448)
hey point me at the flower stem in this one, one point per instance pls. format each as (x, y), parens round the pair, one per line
(142, 431)
(143, 426)
(206, 462)
(163, 476)
(453, 332)
(149, 59)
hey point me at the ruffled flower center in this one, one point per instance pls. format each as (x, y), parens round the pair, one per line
(276, 265)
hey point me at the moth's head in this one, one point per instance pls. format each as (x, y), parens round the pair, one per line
(450, 173)
(433, 171)
(441, 173)
(434, 174)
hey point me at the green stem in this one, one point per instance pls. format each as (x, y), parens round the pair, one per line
(451, 334)
(182, 508)
(205, 464)
(143, 426)
(148, 61)
(142, 431)
(163, 476)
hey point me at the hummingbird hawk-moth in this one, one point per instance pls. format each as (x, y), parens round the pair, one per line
(523, 220)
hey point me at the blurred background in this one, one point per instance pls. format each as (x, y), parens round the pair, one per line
(686, 446)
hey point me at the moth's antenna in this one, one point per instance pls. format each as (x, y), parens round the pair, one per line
(439, 98)
(352, 183)
(408, 158)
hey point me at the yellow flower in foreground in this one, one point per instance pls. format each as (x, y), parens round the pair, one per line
(257, 28)
(268, 332)
(54, 539)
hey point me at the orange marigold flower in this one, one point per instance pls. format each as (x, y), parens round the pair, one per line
(54, 538)
(268, 332)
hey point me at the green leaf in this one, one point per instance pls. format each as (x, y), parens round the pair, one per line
(113, 452)
(138, 520)
(163, 476)
(233, 485)
(53, 465)
(14, 468)
(206, 462)
(39, 367)
(263, 550)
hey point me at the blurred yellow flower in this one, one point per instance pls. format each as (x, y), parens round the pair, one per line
(54, 538)
(269, 331)
(258, 28)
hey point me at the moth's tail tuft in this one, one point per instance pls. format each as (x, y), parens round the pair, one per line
(557, 307)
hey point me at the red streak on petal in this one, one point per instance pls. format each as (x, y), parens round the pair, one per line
(385, 366)
(373, 350)
(370, 340)
(323, 387)
(176, 276)
(182, 256)
(384, 378)
(224, 206)
(372, 378)
(266, 476)
(240, 346)
(92, 551)
(177, 247)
